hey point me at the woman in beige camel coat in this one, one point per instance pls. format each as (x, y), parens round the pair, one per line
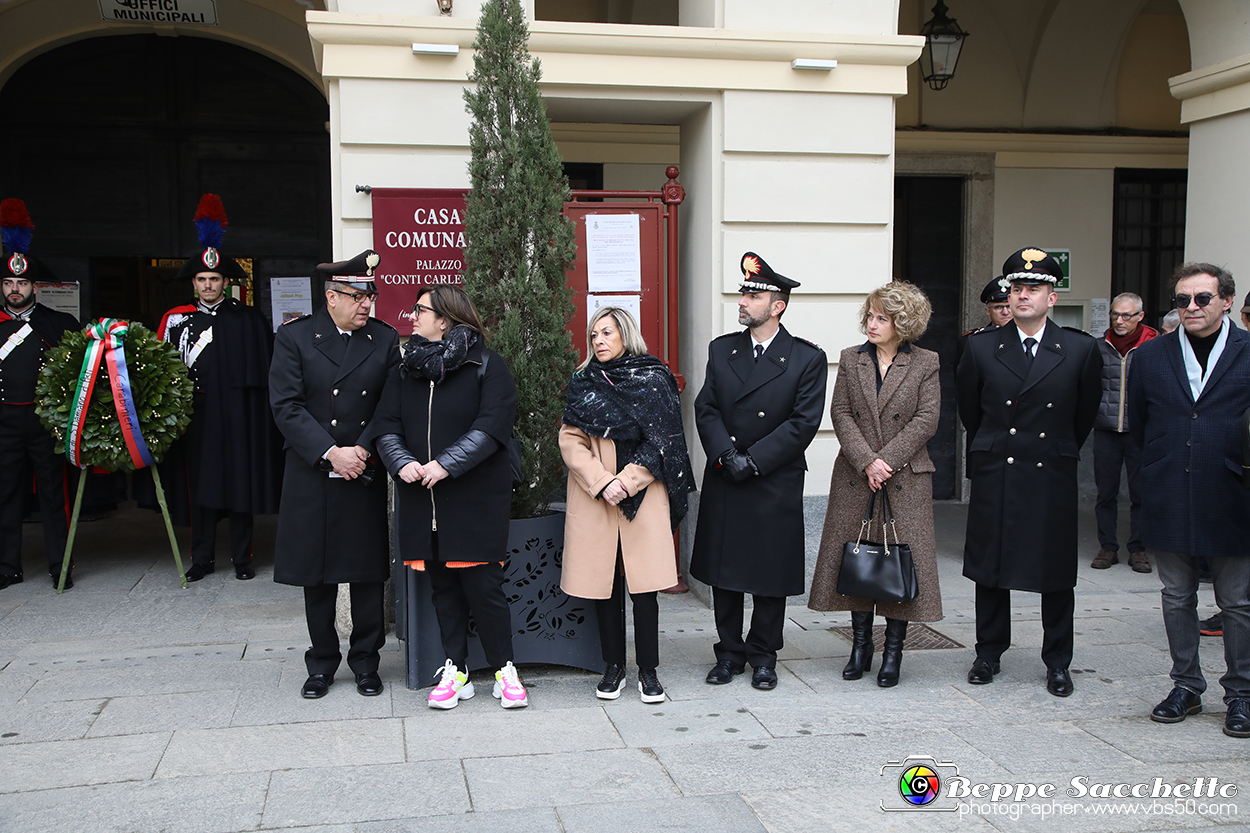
(885, 408)
(629, 474)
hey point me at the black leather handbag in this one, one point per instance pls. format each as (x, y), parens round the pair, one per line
(883, 572)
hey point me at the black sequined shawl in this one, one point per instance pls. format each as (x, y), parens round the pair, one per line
(632, 400)
(434, 359)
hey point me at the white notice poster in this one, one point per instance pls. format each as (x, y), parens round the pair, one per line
(291, 298)
(613, 253)
(63, 297)
(630, 303)
(1099, 315)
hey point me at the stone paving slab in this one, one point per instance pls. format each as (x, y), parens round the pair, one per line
(440, 735)
(163, 713)
(530, 820)
(159, 655)
(364, 793)
(217, 804)
(816, 810)
(1045, 746)
(136, 615)
(1199, 738)
(19, 628)
(685, 721)
(15, 683)
(36, 722)
(298, 746)
(155, 678)
(270, 705)
(720, 813)
(817, 714)
(44, 766)
(595, 777)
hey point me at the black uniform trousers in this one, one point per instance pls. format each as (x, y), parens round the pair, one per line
(368, 628)
(204, 536)
(763, 640)
(994, 625)
(457, 593)
(611, 615)
(23, 438)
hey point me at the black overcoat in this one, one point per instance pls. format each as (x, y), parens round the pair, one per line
(325, 393)
(19, 372)
(749, 535)
(1193, 500)
(1025, 430)
(231, 455)
(472, 510)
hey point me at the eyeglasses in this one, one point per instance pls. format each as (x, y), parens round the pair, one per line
(357, 297)
(1201, 299)
(417, 309)
(1129, 316)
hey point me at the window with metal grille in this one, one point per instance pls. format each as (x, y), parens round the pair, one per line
(1148, 235)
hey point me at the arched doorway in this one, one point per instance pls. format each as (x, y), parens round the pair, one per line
(111, 141)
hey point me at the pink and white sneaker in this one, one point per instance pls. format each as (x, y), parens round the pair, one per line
(508, 689)
(452, 688)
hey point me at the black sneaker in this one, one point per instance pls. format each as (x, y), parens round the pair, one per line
(649, 686)
(613, 681)
(1213, 626)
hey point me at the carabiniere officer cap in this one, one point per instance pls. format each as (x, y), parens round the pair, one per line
(356, 273)
(758, 276)
(1030, 266)
(994, 292)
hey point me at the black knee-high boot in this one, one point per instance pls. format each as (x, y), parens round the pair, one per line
(892, 652)
(861, 645)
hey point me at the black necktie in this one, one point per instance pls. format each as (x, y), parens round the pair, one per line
(1029, 344)
(759, 351)
(347, 339)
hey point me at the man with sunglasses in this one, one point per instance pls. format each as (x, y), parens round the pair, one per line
(1027, 394)
(1189, 394)
(1114, 446)
(325, 383)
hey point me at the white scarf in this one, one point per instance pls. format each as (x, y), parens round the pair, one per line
(1198, 379)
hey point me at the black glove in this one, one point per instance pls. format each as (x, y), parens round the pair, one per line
(737, 466)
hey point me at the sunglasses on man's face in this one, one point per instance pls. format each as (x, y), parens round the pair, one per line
(1201, 299)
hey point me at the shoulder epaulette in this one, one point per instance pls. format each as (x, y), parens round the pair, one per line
(808, 343)
(728, 335)
(297, 318)
(384, 323)
(1077, 330)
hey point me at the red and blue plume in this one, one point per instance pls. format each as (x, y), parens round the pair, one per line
(16, 229)
(210, 221)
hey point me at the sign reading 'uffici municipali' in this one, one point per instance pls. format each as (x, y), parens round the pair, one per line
(196, 12)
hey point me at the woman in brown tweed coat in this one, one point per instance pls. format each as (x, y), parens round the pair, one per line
(885, 408)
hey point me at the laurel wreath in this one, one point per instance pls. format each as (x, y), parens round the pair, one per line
(161, 388)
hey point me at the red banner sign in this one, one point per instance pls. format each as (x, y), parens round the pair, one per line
(419, 232)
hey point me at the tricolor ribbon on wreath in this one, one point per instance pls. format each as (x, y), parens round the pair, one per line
(107, 346)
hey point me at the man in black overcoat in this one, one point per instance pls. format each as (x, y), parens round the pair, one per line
(762, 401)
(27, 330)
(325, 382)
(1027, 394)
(1189, 394)
(229, 461)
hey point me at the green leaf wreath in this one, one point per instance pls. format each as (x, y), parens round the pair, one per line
(161, 388)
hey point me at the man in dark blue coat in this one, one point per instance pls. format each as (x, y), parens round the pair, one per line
(761, 403)
(1189, 393)
(325, 383)
(1027, 394)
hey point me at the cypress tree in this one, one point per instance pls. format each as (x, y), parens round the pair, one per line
(519, 244)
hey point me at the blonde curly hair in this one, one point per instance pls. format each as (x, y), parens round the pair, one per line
(906, 305)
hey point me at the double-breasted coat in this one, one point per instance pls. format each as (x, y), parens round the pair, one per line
(592, 526)
(749, 535)
(325, 393)
(1026, 423)
(893, 425)
(1193, 498)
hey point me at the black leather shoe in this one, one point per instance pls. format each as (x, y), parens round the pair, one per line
(317, 686)
(1237, 721)
(369, 684)
(1058, 682)
(56, 579)
(198, 571)
(983, 671)
(649, 686)
(724, 672)
(1177, 706)
(244, 573)
(764, 678)
(5, 581)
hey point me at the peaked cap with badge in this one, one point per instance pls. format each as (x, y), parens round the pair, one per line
(210, 226)
(995, 292)
(356, 272)
(758, 276)
(1030, 266)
